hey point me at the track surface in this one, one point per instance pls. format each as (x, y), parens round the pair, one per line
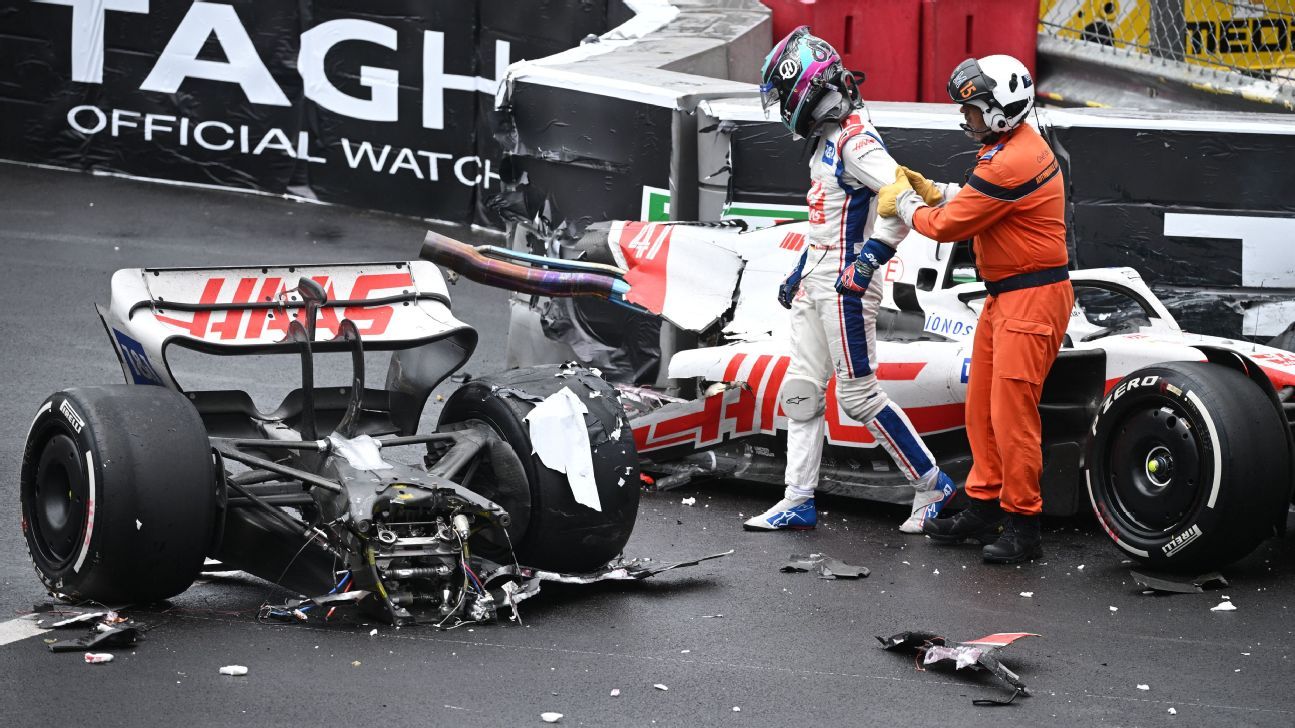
(789, 648)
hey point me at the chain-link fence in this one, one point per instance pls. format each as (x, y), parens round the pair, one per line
(1254, 38)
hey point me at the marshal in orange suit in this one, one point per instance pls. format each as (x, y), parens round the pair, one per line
(1013, 208)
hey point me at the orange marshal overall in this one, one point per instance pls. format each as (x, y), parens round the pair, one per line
(1013, 206)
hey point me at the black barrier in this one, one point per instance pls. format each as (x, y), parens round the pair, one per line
(1205, 216)
(376, 104)
(592, 156)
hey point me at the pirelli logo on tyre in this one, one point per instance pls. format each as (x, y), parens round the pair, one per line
(1128, 386)
(1180, 541)
(71, 415)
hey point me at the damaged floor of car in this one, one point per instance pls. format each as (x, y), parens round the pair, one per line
(732, 633)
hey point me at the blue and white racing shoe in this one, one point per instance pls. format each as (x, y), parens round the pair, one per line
(927, 504)
(796, 514)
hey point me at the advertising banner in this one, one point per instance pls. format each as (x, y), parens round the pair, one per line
(377, 104)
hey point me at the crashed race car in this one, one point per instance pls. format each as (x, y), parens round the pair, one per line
(127, 489)
(1179, 443)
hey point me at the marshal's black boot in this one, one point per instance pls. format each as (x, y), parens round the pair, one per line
(982, 521)
(1021, 541)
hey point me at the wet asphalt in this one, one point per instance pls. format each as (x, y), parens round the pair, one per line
(735, 641)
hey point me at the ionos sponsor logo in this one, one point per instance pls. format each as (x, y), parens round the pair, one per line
(1127, 387)
(72, 417)
(1181, 540)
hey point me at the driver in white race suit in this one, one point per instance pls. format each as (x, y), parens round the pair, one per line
(833, 293)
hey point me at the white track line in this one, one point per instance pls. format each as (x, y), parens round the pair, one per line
(19, 629)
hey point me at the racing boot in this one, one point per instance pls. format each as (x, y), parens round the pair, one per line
(927, 504)
(794, 512)
(1021, 541)
(982, 520)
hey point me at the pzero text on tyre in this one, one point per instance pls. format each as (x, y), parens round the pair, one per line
(118, 495)
(1188, 465)
(549, 529)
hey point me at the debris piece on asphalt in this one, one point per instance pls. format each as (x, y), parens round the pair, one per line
(689, 501)
(684, 652)
(233, 670)
(105, 638)
(978, 654)
(1115, 609)
(616, 692)
(736, 709)
(98, 658)
(355, 663)
(550, 717)
(825, 566)
(1224, 606)
(1173, 711)
(661, 687)
(374, 632)
(618, 570)
(80, 620)
(1144, 687)
(1174, 584)
(1027, 595)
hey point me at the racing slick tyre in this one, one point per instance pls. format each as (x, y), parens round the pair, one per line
(1188, 465)
(118, 493)
(549, 529)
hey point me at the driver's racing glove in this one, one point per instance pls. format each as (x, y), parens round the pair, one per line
(856, 277)
(787, 291)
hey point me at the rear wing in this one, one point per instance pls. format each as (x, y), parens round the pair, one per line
(247, 310)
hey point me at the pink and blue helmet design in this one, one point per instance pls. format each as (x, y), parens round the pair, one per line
(796, 75)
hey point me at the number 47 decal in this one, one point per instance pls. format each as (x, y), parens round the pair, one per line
(648, 240)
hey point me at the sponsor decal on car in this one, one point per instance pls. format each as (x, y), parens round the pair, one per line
(944, 325)
(756, 408)
(241, 324)
(136, 359)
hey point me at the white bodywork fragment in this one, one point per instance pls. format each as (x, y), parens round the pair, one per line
(561, 439)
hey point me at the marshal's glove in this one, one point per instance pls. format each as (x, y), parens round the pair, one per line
(930, 192)
(856, 277)
(886, 206)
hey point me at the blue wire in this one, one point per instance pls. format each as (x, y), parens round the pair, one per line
(340, 584)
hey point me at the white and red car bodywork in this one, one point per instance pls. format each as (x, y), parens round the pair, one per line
(702, 278)
(153, 309)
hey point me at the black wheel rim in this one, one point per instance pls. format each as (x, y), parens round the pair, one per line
(1155, 470)
(59, 497)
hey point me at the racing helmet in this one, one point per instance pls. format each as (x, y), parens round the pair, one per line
(1000, 86)
(799, 73)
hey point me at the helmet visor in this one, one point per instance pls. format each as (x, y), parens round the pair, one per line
(769, 95)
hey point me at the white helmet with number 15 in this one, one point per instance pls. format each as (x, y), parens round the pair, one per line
(1000, 86)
